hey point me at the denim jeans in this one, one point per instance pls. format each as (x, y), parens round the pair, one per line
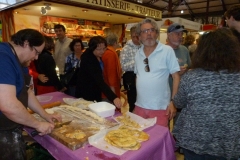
(190, 155)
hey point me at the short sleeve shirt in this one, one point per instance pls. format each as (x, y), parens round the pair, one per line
(10, 71)
(153, 90)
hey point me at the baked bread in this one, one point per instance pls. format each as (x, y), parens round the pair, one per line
(126, 138)
(77, 134)
(127, 121)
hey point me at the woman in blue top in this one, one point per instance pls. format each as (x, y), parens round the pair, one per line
(72, 63)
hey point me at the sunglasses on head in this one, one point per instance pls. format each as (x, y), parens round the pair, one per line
(177, 27)
(145, 61)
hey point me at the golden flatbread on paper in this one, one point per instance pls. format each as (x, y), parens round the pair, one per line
(126, 120)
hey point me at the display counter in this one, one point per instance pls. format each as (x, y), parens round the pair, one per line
(160, 146)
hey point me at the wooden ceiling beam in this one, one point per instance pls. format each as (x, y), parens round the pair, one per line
(170, 4)
(223, 5)
(207, 9)
(190, 10)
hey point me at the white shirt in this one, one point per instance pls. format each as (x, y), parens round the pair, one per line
(153, 90)
(62, 50)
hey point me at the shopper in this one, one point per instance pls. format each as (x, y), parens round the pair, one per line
(35, 75)
(127, 59)
(90, 82)
(208, 126)
(62, 49)
(232, 16)
(15, 95)
(111, 65)
(174, 39)
(45, 65)
(153, 64)
(72, 64)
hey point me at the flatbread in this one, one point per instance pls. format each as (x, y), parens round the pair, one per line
(126, 138)
(77, 134)
(127, 121)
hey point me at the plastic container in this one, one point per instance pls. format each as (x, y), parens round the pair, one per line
(103, 109)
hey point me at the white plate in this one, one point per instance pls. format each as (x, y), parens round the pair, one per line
(44, 98)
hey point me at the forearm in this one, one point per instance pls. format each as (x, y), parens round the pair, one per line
(113, 89)
(19, 114)
(176, 81)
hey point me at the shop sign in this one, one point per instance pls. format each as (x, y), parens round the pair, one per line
(208, 27)
(125, 7)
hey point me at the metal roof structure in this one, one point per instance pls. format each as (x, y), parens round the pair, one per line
(195, 10)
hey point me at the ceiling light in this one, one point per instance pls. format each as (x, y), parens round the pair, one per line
(182, 11)
(84, 10)
(109, 14)
(16, 12)
(47, 6)
(43, 11)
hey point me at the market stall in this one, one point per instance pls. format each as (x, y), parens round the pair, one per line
(160, 144)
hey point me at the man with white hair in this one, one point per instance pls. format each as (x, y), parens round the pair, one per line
(174, 39)
(153, 64)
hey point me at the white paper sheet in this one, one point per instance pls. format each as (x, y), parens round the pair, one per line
(144, 123)
(98, 141)
(44, 98)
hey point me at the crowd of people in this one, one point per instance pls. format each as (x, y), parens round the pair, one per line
(200, 86)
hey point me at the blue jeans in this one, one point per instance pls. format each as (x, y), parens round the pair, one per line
(190, 155)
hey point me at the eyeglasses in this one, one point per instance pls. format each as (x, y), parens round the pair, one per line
(37, 52)
(150, 30)
(145, 61)
(177, 27)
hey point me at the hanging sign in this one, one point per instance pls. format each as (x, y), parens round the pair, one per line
(124, 6)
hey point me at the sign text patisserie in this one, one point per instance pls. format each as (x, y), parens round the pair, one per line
(125, 7)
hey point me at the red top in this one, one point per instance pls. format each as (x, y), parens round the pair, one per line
(112, 70)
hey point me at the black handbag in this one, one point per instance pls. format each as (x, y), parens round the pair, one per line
(70, 77)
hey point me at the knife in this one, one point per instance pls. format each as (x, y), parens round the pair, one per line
(56, 125)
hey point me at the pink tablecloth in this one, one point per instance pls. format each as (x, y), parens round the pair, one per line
(160, 146)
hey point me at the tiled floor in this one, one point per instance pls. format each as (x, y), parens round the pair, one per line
(179, 156)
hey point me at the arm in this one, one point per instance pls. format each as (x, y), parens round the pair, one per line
(14, 110)
(171, 110)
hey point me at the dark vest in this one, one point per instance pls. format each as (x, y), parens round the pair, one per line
(7, 124)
